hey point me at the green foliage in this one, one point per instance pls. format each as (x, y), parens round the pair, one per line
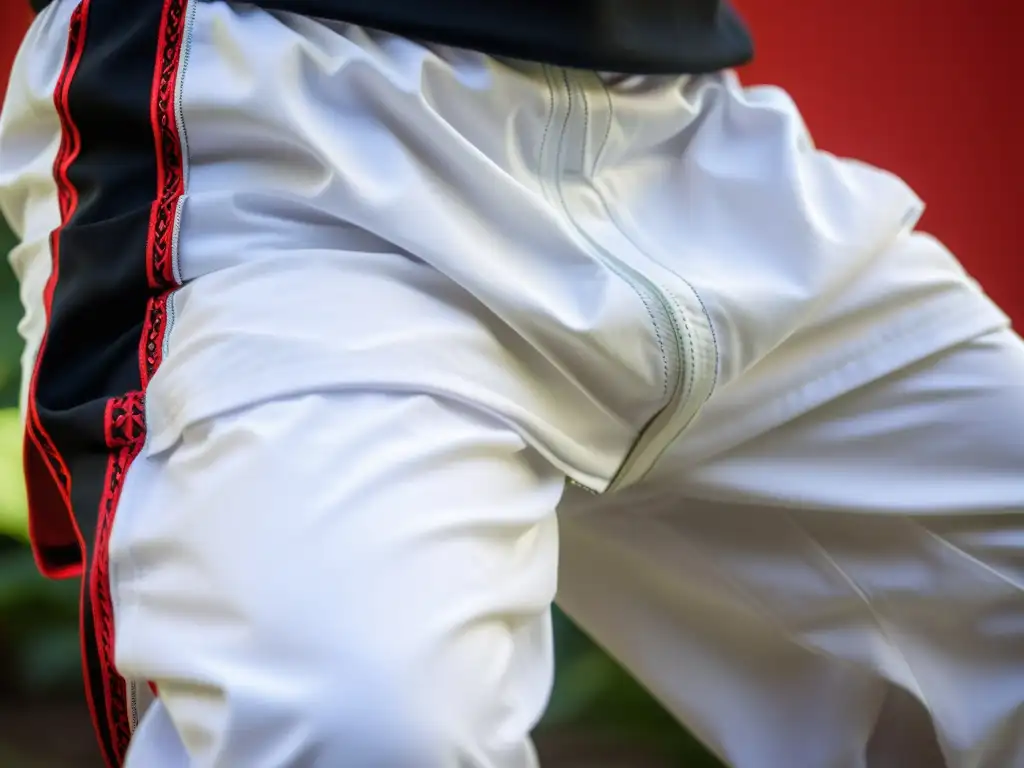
(593, 692)
(12, 490)
(10, 312)
(38, 628)
(12, 493)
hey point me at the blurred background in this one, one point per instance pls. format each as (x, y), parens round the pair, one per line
(927, 95)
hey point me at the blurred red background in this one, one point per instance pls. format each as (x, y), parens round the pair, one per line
(928, 90)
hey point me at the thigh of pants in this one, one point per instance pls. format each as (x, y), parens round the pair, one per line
(783, 596)
(383, 344)
(338, 579)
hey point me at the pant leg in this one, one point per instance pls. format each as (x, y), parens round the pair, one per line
(346, 579)
(774, 594)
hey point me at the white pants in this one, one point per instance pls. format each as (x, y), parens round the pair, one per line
(450, 338)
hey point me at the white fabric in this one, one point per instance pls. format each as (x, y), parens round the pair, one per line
(423, 289)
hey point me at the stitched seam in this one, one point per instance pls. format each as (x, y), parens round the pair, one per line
(586, 130)
(599, 155)
(547, 130)
(619, 225)
(662, 349)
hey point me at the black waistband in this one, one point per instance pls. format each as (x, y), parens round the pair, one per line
(642, 36)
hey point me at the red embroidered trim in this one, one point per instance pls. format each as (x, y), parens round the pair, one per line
(125, 416)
